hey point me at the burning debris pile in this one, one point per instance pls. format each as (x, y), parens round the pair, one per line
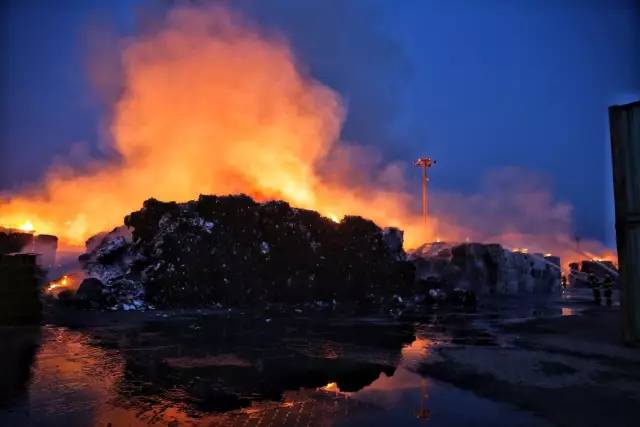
(232, 250)
(486, 268)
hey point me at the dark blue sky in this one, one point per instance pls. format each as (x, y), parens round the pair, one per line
(477, 84)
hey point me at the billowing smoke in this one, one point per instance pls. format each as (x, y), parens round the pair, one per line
(212, 105)
(516, 207)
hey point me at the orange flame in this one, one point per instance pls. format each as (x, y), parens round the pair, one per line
(60, 284)
(26, 226)
(213, 106)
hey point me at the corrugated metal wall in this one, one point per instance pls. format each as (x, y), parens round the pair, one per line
(624, 122)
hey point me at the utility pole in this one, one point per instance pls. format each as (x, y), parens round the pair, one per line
(425, 163)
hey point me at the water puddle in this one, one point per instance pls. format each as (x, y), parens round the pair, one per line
(239, 370)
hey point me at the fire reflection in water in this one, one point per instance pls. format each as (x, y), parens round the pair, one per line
(118, 376)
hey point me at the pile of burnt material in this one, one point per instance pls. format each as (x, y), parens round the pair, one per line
(232, 250)
(485, 269)
(581, 271)
(20, 283)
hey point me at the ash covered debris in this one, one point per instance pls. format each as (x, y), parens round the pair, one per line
(232, 250)
(486, 268)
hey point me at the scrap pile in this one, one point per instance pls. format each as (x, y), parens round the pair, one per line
(233, 250)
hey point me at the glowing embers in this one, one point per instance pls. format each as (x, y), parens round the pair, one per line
(334, 388)
(331, 387)
(333, 218)
(67, 282)
(62, 282)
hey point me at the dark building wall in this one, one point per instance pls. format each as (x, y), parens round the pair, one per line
(14, 241)
(20, 281)
(624, 121)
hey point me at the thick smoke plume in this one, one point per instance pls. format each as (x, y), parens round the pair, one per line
(212, 105)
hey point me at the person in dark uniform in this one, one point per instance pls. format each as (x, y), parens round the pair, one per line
(595, 287)
(608, 288)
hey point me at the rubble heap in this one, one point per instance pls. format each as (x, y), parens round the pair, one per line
(486, 268)
(232, 250)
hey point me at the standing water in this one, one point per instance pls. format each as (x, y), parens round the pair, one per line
(237, 369)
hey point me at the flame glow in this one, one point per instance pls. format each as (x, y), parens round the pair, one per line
(25, 226)
(212, 105)
(60, 284)
(331, 387)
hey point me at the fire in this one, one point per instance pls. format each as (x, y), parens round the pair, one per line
(26, 226)
(333, 217)
(60, 284)
(331, 387)
(212, 105)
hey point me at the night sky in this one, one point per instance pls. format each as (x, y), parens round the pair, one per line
(479, 85)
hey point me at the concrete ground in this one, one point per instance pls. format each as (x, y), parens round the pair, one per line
(571, 370)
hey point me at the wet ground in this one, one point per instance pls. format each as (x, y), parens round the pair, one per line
(512, 362)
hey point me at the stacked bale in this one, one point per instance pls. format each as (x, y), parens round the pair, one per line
(46, 246)
(486, 269)
(15, 241)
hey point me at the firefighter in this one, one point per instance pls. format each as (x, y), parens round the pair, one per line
(563, 280)
(608, 288)
(595, 287)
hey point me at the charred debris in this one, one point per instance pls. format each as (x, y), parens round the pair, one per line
(232, 251)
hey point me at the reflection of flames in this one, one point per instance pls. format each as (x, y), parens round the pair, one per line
(417, 349)
(201, 113)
